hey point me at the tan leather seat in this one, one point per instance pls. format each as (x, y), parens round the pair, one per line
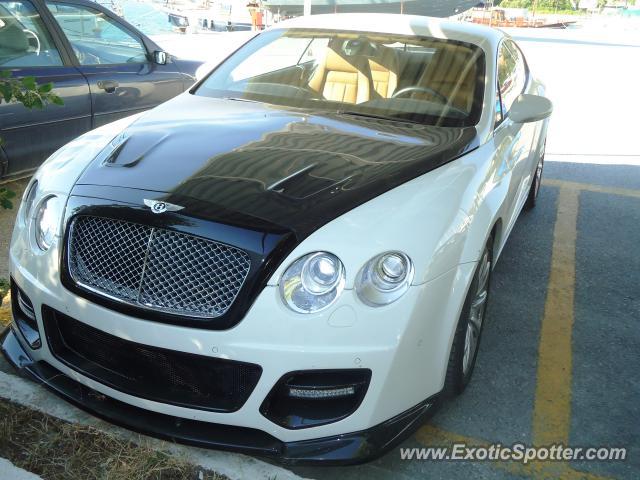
(452, 72)
(341, 80)
(385, 69)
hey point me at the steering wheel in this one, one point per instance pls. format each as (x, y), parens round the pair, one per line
(34, 37)
(428, 90)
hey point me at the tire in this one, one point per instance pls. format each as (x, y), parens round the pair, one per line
(462, 358)
(534, 190)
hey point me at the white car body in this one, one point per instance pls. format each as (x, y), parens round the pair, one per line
(441, 220)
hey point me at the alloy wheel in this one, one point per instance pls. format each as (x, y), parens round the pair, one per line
(476, 313)
(538, 178)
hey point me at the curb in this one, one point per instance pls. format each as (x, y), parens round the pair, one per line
(9, 471)
(233, 465)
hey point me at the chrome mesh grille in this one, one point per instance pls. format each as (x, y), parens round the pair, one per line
(155, 268)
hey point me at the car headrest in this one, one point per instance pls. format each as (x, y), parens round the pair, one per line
(385, 59)
(450, 65)
(335, 62)
(12, 37)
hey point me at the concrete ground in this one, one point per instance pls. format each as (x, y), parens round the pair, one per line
(559, 355)
(10, 471)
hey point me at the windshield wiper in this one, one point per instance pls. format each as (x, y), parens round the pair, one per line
(373, 115)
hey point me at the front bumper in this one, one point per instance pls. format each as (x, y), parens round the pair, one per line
(404, 345)
(348, 448)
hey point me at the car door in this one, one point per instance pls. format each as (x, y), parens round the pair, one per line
(513, 140)
(123, 76)
(28, 47)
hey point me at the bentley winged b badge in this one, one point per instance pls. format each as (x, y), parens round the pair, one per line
(158, 206)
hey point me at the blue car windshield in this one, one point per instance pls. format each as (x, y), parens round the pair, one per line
(406, 78)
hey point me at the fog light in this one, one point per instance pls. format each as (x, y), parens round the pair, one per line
(24, 316)
(321, 393)
(311, 398)
(26, 306)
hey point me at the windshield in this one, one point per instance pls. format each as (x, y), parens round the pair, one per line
(424, 80)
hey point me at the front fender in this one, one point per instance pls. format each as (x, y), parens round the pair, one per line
(440, 219)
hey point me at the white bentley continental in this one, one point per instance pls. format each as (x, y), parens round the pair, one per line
(293, 258)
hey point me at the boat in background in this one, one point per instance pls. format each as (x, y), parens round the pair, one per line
(516, 17)
(430, 8)
(112, 5)
(187, 16)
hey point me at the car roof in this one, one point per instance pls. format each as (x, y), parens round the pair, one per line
(486, 37)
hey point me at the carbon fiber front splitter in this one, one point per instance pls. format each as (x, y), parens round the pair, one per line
(350, 448)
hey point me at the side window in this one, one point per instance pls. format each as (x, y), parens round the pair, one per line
(498, 111)
(315, 50)
(97, 39)
(24, 39)
(512, 75)
(521, 66)
(283, 53)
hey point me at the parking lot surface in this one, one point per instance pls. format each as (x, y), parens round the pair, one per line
(559, 357)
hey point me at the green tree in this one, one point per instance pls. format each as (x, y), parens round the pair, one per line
(544, 5)
(30, 94)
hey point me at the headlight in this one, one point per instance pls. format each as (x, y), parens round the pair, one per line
(312, 282)
(27, 200)
(46, 222)
(384, 278)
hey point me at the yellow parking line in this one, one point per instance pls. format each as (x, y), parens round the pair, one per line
(552, 408)
(552, 405)
(627, 192)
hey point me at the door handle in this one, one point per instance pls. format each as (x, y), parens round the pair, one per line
(108, 86)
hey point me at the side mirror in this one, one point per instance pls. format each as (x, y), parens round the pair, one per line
(530, 108)
(160, 57)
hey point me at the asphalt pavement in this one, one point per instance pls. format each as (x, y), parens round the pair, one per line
(600, 378)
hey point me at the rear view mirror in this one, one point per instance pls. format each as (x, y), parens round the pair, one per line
(530, 108)
(160, 57)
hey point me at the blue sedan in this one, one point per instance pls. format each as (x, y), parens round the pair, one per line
(102, 67)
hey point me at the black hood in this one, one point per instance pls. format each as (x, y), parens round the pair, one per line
(250, 164)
